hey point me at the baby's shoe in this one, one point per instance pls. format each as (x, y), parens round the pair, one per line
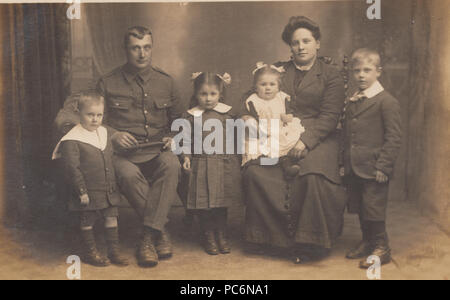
(292, 171)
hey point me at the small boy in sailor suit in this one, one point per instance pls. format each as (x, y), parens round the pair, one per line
(371, 142)
(86, 153)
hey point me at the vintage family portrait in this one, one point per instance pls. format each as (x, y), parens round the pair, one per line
(225, 140)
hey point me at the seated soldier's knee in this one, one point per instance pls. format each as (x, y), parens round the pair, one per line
(169, 163)
(129, 176)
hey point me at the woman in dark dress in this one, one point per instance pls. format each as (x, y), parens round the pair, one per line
(304, 213)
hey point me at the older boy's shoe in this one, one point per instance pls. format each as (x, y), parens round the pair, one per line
(361, 250)
(163, 245)
(224, 246)
(210, 243)
(381, 249)
(146, 253)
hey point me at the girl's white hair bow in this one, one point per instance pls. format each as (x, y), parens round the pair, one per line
(226, 78)
(195, 75)
(260, 65)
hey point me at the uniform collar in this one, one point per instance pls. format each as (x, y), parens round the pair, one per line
(220, 108)
(373, 90)
(131, 73)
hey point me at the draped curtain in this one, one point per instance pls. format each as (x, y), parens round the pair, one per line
(428, 130)
(36, 80)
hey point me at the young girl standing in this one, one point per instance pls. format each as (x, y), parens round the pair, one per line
(214, 176)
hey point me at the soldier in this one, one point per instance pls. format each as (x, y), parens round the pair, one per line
(141, 103)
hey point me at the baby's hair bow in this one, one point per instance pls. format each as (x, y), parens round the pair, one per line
(226, 78)
(260, 65)
(195, 75)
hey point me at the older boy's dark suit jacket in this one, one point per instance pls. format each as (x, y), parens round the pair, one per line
(372, 135)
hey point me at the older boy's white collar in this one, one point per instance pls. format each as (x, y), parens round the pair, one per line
(97, 138)
(373, 90)
(220, 108)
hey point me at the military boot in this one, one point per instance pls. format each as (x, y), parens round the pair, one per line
(163, 245)
(146, 252)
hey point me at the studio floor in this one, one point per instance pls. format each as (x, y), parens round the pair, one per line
(421, 250)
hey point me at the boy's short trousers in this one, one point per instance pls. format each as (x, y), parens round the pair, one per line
(89, 217)
(367, 198)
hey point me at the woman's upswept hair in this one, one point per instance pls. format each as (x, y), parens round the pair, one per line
(207, 78)
(300, 22)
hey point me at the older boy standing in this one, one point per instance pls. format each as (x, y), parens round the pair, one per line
(372, 138)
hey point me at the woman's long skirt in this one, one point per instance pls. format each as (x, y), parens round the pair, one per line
(305, 210)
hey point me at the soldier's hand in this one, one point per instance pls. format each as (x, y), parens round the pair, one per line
(167, 143)
(84, 200)
(124, 140)
(380, 177)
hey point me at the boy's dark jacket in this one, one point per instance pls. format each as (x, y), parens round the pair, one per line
(371, 135)
(90, 170)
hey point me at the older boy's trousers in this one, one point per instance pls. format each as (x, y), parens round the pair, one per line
(150, 187)
(367, 198)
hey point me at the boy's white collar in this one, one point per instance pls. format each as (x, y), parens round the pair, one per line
(220, 108)
(97, 138)
(373, 90)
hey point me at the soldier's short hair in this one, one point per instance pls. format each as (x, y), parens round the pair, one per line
(138, 32)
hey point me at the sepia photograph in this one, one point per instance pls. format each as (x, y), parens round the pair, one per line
(225, 140)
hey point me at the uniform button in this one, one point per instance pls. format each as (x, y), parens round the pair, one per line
(146, 140)
(145, 112)
(145, 94)
(146, 126)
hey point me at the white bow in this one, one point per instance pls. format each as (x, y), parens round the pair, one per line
(260, 65)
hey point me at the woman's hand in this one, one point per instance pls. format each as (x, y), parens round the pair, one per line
(299, 151)
(124, 140)
(187, 164)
